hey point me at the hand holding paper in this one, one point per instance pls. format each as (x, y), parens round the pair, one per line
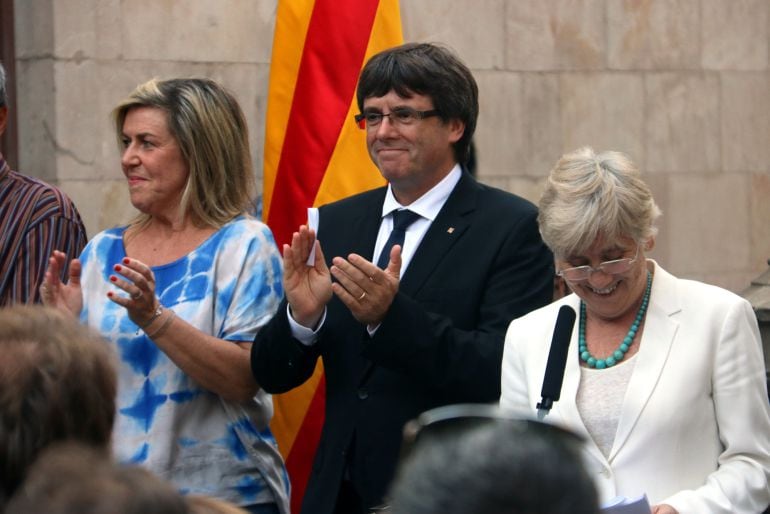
(307, 287)
(624, 505)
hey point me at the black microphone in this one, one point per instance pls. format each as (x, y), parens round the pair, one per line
(557, 359)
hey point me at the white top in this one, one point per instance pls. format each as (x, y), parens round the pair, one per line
(694, 425)
(609, 386)
(427, 206)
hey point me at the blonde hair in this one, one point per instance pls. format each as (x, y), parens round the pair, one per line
(211, 131)
(587, 195)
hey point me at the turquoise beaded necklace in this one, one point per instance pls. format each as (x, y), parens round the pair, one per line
(618, 354)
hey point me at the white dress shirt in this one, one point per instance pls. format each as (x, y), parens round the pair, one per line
(427, 206)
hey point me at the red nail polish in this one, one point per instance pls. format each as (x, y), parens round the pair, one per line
(109, 294)
(118, 267)
(113, 279)
(126, 260)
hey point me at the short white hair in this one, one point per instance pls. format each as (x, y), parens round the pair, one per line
(588, 195)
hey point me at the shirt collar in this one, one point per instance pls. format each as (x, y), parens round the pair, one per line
(429, 204)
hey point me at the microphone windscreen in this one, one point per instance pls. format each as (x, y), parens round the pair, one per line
(557, 356)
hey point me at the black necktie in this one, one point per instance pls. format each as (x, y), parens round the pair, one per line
(401, 221)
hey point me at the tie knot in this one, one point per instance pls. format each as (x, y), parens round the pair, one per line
(403, 218)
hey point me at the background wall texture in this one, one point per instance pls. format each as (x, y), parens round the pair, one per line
(679, 85)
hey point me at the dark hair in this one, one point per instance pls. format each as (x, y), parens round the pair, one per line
(57, 382)
(495, 466)
(78, 479)
(430, 70)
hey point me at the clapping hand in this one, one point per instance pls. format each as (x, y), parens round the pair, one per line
(55, 293)
(308, 288)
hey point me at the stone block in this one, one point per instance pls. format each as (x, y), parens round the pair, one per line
(225, 31)
(682, 122)
(473, 28)
(759, 214)
(530, 188)
(709, 222)
(732, 33)
(498, 147)
(74, 23)
(519, 130)
(745, 116)
(556, 35)
(102, 204)
(653, 34)
(604, 111)
(108, 30)
(540, 126)
(78, 112)
(33, 28)
(663, 249)
(735, 281)
(36, 117)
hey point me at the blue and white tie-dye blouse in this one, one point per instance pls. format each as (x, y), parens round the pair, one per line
(227, 287)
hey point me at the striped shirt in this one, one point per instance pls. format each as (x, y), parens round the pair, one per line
(35, 219)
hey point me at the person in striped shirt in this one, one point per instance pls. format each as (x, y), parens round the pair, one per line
(36, 218)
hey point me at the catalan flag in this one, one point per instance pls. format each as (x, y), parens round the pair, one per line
(315, 154)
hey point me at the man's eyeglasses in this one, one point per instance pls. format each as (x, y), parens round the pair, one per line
(615, 267)
(400, 116)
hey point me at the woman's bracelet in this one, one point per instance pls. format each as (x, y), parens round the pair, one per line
(155, 315)
(164, 326)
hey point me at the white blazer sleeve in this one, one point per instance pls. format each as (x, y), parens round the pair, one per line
(740, 484)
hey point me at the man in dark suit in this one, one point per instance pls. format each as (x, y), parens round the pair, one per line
(425, 328)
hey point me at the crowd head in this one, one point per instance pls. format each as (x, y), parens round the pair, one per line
(57, 382)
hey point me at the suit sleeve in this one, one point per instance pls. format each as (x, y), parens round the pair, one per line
(280, 362)
(463, 359)
(740, 484)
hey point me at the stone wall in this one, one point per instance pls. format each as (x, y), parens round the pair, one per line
(680, 85)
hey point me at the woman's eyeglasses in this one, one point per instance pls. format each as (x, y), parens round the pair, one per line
(615, 267)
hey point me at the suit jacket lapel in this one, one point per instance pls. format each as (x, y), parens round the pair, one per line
(445, 230)
(659, 332)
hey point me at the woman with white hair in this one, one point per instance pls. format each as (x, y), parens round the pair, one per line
(664, 376)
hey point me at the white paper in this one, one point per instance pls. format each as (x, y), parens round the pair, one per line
(624, 505)
(312, 224)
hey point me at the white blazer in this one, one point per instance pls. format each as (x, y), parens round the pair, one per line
(694, 426)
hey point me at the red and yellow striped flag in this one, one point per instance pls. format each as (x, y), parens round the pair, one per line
(315, 154)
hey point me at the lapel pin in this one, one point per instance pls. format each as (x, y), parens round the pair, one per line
(450, 230)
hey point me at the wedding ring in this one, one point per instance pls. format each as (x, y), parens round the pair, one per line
(136, 295)
(362, 296)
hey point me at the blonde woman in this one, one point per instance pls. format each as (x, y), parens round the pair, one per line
(181, 292)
